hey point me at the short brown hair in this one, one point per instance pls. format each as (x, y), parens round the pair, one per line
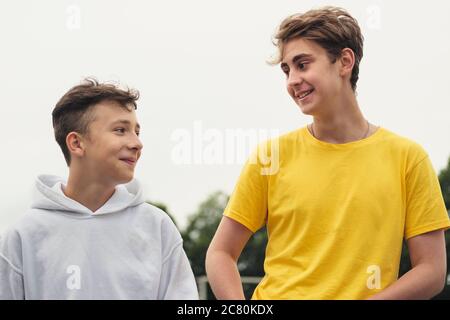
(73, 112)
(332, 28)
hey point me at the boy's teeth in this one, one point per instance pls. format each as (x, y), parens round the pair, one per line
(305, 94)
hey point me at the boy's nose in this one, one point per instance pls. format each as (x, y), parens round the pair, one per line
(294, 79)
(136, 144)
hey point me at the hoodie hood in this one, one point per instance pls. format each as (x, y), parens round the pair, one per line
(48, 195)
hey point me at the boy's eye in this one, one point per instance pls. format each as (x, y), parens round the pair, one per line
(121, 130)
(302, 65)
(137, 133)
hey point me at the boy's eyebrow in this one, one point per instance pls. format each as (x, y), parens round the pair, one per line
(126, 122)
(296, 58)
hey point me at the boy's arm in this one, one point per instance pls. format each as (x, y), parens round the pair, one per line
(11, 276)
(11, 281)
(177, 278)
(221, 259)
(429, 268)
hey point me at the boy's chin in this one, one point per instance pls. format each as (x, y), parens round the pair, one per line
(311, 109)
(125, 179)
(307, 110)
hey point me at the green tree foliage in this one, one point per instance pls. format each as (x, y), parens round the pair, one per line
(200, 230)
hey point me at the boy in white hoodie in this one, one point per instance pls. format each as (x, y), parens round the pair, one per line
(94, 237)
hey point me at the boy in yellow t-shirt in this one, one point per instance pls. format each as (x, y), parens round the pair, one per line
(340, 195)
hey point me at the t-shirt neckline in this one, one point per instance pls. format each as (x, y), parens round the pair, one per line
(342, 146)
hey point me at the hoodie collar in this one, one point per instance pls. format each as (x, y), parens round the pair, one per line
(49, 196)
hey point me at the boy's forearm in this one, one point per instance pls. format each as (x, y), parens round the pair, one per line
(421, 282)
(224, 277)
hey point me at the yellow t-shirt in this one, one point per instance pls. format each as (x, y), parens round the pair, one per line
(336, 214)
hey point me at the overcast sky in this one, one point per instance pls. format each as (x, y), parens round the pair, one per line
(200, 67)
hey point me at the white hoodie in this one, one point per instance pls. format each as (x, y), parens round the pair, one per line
(127, 249)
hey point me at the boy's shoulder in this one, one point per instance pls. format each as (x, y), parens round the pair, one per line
(381, 134)
(153, 212)
(382, 139)
(145, 213)
(154, 217)
(412, 150)
(148, 219)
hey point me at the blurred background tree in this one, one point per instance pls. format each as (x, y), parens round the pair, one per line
(200, 230)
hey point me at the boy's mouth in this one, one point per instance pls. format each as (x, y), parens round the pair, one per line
(304, 94)
(129, 161)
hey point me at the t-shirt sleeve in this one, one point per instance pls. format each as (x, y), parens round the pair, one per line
(248, 202)
(425, 208)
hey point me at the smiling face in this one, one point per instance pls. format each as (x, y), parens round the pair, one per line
(112, 146)
(312, 80)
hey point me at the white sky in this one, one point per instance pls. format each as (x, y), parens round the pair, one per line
(202, 64)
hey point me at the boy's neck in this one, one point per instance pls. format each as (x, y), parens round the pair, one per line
(342, 123)
(92, 195)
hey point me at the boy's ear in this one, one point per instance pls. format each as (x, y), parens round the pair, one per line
(75, 143)
(347, 61)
